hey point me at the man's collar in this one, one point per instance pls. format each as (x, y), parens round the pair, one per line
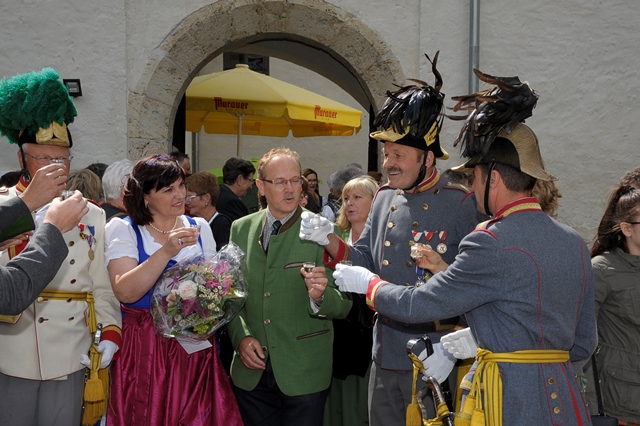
(430, 182)
(519, 205)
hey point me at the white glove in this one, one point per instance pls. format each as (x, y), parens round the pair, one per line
(352, 279)
(107, 348)
(460, 343)
(314, 227)
(439, 364)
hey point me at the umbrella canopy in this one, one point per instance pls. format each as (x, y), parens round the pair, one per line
(244, 102)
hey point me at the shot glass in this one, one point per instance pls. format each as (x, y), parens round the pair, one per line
(346, 262)
(308, 266)
(197, 227)
(416, 251)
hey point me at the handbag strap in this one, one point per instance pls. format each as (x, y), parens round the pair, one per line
(596, 378)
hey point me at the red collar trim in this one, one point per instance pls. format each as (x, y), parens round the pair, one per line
(433, 180)
(22, 184)
(522, 205)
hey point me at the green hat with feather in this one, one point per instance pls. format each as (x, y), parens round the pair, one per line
(35, 108)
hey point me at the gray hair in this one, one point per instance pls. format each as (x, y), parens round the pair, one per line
(338, 179)
(114, 179)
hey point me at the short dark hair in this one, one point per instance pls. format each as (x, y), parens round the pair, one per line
(179, 156)
(514, 180)
(204, 183)
(150, 173)
(98, 168)
(234, 167)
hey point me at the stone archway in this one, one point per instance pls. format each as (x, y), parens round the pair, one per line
(218, 27)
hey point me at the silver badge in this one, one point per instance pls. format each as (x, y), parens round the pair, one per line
(441, 248)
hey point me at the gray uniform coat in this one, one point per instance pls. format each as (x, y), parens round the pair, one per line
(441, 212)
(27, 274)
(524, 282)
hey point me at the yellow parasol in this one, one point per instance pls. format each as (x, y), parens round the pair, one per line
(244, 102)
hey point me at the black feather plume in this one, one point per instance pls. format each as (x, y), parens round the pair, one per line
(414, 107)
(509, 102)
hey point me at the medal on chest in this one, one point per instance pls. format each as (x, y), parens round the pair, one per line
(87, 233)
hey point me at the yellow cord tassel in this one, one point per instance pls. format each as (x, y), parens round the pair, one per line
(414, 414)
(93, 390)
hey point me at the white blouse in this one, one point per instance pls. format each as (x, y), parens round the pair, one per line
(121, 241)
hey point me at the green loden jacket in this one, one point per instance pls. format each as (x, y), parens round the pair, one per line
(278, 311)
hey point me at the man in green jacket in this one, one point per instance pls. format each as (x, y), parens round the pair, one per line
(284, 334)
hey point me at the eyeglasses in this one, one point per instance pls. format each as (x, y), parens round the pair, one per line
(633, 223)
(190, 198)
(43, 160)
(282, 183)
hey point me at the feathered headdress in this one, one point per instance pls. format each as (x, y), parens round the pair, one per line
(412, 116)
(503, 106)
(36, 108)
(493, 131)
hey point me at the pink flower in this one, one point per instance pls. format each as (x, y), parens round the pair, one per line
(221, 268)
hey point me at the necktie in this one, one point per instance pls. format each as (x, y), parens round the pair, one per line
(275, 227)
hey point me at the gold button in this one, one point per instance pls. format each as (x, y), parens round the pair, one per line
(72, 261)
(398, 191)
(554, 395)
(407, 284)
(437, 191)
(385, 262)
(394, 208)
(40, 299)
(71, 243)
(390, 225)
(556, 410)
(409, 264)
(267, 294)
(385, 320)
(267, 321)
(551, 381)
(425, 207)
(414, 224)
(40, 320)
(387, 243)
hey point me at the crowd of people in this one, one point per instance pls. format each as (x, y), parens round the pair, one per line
(471, 259)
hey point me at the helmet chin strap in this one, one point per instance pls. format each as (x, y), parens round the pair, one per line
(25, 172)
(487, 185)
(421, 174)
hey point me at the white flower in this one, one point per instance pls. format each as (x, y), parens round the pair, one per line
(188, 289)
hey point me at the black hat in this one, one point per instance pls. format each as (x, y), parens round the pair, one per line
(411, 115)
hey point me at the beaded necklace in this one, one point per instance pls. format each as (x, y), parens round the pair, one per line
(165, 232)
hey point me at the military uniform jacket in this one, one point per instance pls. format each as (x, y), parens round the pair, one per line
(440, 214)
(278, 310)
(48, 339)
(525, 282)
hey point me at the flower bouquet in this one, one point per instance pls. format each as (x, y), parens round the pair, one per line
(194, 298)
